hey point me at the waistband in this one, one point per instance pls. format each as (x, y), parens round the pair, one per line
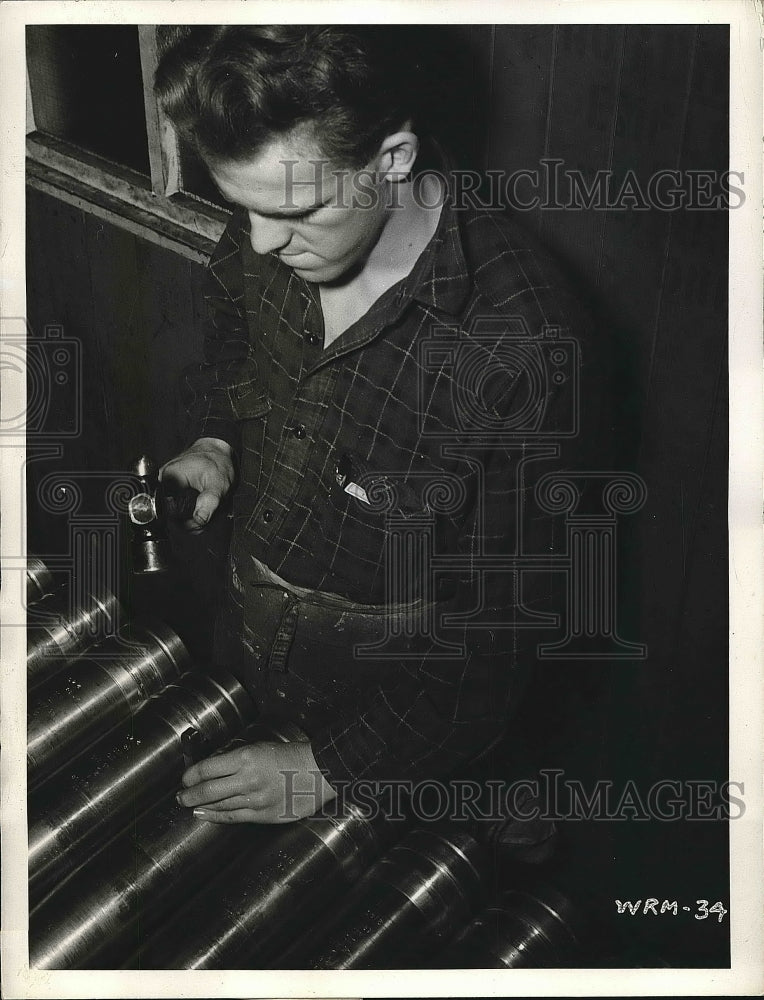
(261, 575)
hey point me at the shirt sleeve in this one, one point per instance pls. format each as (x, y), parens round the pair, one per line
(224, 388)
(447, 710)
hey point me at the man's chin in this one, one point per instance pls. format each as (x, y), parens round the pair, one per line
(319, 274)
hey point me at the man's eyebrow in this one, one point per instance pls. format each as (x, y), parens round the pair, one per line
(285, 214)
(294, 214)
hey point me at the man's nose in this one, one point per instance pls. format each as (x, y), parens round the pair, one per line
(267, 235)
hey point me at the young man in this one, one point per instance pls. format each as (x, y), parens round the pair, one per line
(386, 376)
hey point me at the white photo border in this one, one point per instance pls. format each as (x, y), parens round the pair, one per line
(746, 975)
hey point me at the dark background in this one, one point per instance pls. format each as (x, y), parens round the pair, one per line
(614, 97)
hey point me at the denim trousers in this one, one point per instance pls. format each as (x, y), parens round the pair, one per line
(310, 656)
(306, 655)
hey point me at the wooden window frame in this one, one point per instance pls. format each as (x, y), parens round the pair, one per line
(155, 207)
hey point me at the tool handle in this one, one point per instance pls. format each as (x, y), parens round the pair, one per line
(180, 506)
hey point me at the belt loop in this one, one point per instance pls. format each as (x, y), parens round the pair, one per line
(282, 643)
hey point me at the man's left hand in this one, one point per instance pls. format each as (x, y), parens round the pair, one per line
(258, 783)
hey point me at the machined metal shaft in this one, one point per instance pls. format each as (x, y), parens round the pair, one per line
(91, 801)
(536, 928)
(40, 581)
(91, 696)
(106, 909)
(246, 916)
(410, 902)
(57, 634)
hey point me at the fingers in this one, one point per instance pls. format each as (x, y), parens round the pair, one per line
(209, 815)
(244, 771)
(252, 801)
(250, 784)
(206, 504)
(172, 471)
(259, 801)
(207, 792)
(207, 466)
(214, 767)
(205, 450)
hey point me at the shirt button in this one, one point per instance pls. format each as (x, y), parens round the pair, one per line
(267, 516)
(312, 339)
(298, 430)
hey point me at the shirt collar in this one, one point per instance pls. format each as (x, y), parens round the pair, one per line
(440, 277)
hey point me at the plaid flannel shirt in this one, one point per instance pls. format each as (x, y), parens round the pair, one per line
(463, 383)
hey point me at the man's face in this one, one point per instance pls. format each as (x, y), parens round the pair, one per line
(319, 219)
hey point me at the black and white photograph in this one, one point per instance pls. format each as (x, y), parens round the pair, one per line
(381, 448)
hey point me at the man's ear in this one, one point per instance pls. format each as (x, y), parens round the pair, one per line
(397, 155)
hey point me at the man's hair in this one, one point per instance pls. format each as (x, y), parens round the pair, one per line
(229, 90)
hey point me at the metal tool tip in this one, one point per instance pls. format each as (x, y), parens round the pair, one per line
(144, 466)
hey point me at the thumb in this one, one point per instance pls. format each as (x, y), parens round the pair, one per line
(206, 504)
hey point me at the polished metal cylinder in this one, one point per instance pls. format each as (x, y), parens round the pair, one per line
(524, 929)
(106, 909)
(91, 696)
(406, 906)
(246, 916)
(40, 581)
(91, 801)
(57, 634)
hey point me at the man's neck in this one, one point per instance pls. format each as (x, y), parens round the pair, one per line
(407, 230)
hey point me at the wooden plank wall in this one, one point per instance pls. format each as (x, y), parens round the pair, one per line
(135, 307)
(642, 98)
(614, 98)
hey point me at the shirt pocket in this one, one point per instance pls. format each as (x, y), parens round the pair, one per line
(376, 492)
(248, 399)
(228, 390)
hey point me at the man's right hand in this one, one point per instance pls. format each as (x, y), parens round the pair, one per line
(207, 466)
